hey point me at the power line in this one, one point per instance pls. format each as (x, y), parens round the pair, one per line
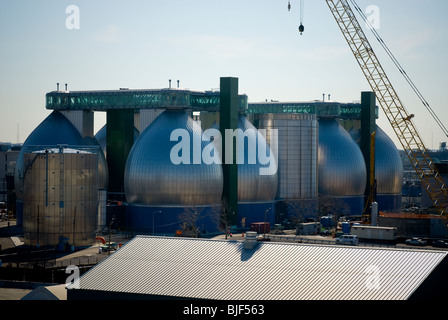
(401, 69)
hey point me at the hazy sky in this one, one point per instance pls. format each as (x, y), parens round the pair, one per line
(142, 44)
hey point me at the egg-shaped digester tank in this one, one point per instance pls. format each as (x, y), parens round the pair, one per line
(341, 170)
(388, 173)
(257, 174)
(255, 184)
(388, 169)
(168, 180)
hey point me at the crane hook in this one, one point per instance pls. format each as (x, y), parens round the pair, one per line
(289, 6)
(301, 29)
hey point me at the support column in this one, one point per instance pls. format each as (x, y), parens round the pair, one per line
(368, 127)
(82, 120)
(229, 120)
(119, 141)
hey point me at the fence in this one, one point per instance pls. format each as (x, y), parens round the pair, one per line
(311, 240)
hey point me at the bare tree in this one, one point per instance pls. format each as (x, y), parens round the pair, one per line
(189, 218)
(300, 209)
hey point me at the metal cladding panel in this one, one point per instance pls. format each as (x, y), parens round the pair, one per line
(197, 269)
(151, 178)
(297, 153)
(92, 145)
(342, 170)
(252, 185)
(388, 165)
(147, 117)
(60, 198)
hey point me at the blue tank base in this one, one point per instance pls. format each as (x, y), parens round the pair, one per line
(342, 206)
(389, 202)
(291, 209)
(167, 220)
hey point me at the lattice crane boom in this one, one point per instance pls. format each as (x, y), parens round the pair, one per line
(399, 118)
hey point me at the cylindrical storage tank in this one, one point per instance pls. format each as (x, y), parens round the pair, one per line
(346, 227)
(169, 180)
(60, 198)
(388, 173)
(55, 129)
(90, 144)
(342, 170)
(297, 191)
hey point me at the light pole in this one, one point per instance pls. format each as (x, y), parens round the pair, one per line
(153, 220)
(110, 233)
(265, 218)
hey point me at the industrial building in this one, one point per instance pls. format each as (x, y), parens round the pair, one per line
(8, 156)
(150, 268)
(319, 162)
(318, 159)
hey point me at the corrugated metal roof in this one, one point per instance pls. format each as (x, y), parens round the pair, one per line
(224, 270)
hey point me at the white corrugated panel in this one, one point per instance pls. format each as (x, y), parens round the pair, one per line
(213, 269)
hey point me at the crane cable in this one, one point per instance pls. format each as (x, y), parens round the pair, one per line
(301, 11)
(400, 68)
(301, 27)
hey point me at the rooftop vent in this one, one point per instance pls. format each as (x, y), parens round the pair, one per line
(251, 240)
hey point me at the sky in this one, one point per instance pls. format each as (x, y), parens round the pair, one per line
(142, 44)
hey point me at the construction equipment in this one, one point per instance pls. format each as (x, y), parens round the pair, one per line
(388, 99)
(392, 106)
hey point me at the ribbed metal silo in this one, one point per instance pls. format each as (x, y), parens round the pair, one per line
(297, 192)
(60, 198)
(342, 170)
(55, 129)
(161, 193)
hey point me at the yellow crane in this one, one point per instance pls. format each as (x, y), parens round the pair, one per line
(399, 118)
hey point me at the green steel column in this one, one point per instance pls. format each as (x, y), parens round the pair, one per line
(229, 120)
(367, 128)
(120, 138)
